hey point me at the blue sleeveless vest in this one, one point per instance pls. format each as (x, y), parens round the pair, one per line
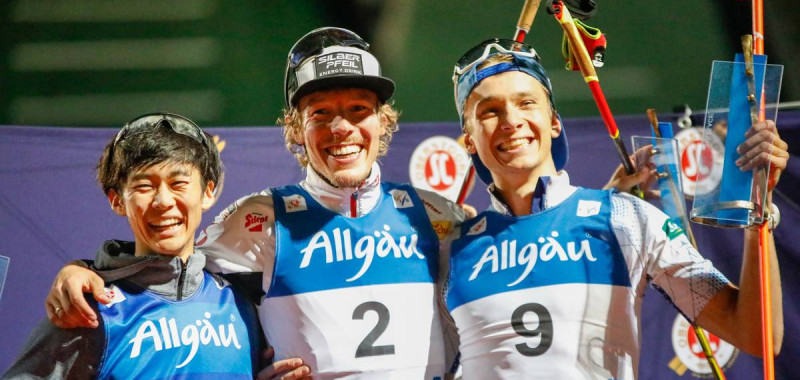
(572, 242)
(317, 249)
(355, 297)
(211, 335)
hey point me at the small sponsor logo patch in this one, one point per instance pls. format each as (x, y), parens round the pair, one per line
(672, 229)
(478, 227)
(401, 199)
(430, 207)
(588, 208)
(115, 294)
(254, 222)
(339, 64)
(295, 203)
(442, 228)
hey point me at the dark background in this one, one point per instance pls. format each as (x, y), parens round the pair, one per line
(99, 63)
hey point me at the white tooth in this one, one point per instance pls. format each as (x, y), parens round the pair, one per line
(344, 150)
(166, 222)
(513, 144)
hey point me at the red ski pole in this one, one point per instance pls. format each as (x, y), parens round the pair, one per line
(563, 16)
(763, 241)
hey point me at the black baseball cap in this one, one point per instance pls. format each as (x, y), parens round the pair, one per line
(332, 57)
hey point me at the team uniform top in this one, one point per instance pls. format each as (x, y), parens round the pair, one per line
(558, 293)
(166, 320)
(349, 275)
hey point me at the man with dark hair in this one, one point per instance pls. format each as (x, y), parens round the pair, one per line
(167, 317)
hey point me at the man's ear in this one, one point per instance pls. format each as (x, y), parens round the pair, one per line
(116, 203)
(555, 125)
(208, 196)
(469, 144)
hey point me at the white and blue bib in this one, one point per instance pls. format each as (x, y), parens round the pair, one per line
(210, 335)
(532, 296)
(355, 297)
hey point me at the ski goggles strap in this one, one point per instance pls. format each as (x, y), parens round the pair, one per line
(466, 73)
(318, 39)
(483, 50)
(179, 124)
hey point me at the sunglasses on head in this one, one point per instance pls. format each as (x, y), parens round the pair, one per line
(312, 43)
(480, 52)
(177, 123)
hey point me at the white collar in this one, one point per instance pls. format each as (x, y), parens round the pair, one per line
(556, 191)
(338, 198)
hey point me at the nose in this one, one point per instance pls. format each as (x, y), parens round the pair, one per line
(513, 119)
(163, 198)
(341, 126)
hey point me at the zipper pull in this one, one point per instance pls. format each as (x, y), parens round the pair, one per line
(354, 204)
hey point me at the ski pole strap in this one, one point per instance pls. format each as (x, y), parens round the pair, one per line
(593, 39)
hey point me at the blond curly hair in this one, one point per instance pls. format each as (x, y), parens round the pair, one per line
(292, 125)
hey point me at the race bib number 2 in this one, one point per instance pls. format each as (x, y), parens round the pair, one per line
(367, 346)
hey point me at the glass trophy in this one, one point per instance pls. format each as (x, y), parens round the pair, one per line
(739, 95)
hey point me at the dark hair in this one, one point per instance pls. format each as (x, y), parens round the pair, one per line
(154, 143)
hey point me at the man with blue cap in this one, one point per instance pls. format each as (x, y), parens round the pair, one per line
(548, 283)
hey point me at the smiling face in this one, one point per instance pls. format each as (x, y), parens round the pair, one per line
(341, 131)
(510, 125)
(163, 204)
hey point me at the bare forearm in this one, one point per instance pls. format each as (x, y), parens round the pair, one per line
(750, 288)
(734, 314)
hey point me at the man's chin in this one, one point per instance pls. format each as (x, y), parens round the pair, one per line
(349, 178)
(352, 177)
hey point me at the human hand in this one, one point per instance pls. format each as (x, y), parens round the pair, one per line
(645, 175)
(65, 304)
(287, 369)
(763, 146)
(470, 211)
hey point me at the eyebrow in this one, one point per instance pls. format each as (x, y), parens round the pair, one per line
(174, 173)
(516, 95)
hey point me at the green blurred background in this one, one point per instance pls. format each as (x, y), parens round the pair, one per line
(102, 62)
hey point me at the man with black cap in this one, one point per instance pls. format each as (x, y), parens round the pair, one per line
(548, 283)
(350, 262)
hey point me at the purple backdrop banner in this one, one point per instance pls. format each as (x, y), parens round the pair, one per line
(52, 211)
